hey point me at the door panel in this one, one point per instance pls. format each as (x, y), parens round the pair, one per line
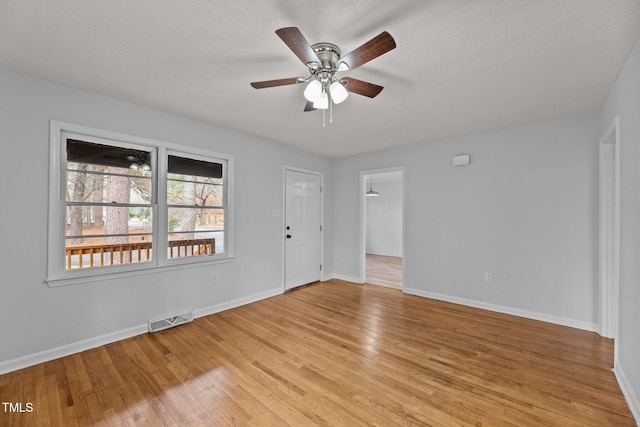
(303, 235)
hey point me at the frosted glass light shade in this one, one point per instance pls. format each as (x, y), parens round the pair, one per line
(313, 91)
(338, 92)
(140, 167)
(323, 102)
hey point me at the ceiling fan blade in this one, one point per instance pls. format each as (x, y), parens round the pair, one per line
(272, 83)
(293, 38)
(361, 87)
(309, 107)
(379, 45)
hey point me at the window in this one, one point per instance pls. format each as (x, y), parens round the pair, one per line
(195, 201)
(121, 204)
(108, 205)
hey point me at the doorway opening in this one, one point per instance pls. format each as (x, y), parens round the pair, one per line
(382, 227)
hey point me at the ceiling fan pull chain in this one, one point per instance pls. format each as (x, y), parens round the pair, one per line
(330, 110)
(323, 121)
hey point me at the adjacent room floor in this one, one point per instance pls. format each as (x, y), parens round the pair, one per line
(384, 271)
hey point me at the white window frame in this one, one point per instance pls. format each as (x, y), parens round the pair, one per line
(57, 274)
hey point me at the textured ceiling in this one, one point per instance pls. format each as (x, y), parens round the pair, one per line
(460, 66)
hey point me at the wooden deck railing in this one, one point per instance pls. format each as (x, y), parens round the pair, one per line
(120, 253)
(190, 247)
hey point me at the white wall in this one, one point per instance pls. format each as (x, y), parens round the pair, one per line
(525, 210)
(624, 100)
(37, 318)
(384, 219)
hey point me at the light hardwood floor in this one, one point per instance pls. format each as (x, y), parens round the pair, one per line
(384, 271)
(333, 354)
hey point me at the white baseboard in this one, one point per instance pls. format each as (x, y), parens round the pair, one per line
(627, 391)
(592, 327)
(236, 303)
(347, 278)
(79, 346)
(68, 349)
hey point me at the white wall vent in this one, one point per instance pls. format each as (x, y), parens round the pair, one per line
(170, 322)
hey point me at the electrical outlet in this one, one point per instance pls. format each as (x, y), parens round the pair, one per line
(214, 277)
(488, 277)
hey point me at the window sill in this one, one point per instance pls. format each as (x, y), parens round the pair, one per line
(112, 275)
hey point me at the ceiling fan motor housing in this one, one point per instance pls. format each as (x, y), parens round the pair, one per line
(328, 54)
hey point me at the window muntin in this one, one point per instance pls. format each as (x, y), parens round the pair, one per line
(108, 204)
(196, 205)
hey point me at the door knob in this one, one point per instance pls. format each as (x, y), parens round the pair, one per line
(288, 236)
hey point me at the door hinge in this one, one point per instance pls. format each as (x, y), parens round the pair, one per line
(321, 188)
(320, 228)
(320, 267)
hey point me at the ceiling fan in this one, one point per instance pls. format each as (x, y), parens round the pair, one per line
(324, 60)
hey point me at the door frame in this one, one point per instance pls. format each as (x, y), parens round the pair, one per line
(609, 233)
(363, 218)
(283, 225)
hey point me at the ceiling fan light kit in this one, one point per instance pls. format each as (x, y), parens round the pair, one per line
(139, 163)
(323, 61)
(322, 102)
(338, 92)
(313, 91)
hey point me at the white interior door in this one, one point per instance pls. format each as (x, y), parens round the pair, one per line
(302, 228)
